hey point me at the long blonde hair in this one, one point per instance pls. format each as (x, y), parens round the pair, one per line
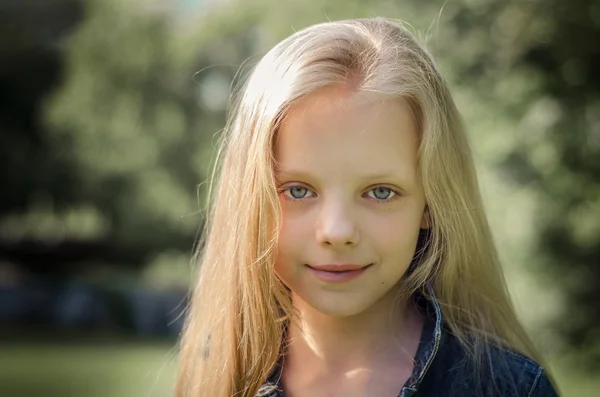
(239, 309)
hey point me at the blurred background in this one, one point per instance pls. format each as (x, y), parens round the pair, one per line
(109, 111)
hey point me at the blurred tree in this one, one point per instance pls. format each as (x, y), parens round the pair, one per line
(131, 125)
(559, 153)
(124, 143)
(30, 67)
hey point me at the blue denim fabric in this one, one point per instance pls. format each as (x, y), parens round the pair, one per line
(443, 369)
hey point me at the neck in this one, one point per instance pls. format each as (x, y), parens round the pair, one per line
(384, 335)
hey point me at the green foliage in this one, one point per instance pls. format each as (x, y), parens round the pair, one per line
(134, 127)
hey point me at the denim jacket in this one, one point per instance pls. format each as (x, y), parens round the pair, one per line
(442, 367)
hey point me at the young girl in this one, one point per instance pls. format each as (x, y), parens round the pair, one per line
(347, 252)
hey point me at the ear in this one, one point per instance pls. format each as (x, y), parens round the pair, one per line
(426, 220)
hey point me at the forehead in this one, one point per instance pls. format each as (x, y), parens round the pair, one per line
(330, 131)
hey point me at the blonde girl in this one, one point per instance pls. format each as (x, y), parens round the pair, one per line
(346, 251)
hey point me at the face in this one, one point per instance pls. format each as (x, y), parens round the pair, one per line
(351, 201)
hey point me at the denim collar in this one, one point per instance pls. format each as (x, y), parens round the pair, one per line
(430, 339)
(427, 350)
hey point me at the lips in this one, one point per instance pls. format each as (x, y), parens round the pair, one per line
(338, 273)
(338, 268)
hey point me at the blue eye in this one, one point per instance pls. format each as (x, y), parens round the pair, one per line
(382, 193)
(296, 192)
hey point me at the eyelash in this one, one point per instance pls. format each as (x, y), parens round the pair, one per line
(396, 195)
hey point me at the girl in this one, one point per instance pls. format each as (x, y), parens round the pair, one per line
(347, 252)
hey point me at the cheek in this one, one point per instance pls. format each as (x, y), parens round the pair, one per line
(294, 233)
(297, 227)
(395, 234)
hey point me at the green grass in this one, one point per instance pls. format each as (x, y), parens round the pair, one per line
(112, 370)
(143, 370)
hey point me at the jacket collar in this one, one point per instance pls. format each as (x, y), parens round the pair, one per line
(430, 339)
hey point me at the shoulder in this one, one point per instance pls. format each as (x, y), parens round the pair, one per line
(514, 370)
(498, 372)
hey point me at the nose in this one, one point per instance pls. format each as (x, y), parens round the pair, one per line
(336, 226)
